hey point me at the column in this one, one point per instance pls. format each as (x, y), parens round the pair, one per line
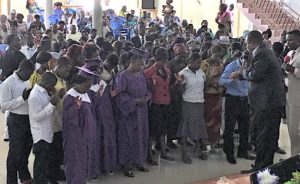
(8, 8)
(48, 12)
(97, 17)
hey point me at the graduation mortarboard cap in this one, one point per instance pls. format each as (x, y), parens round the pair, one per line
(93, 64)
(86, 73)
(139, 54)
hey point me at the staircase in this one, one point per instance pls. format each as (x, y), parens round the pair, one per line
(276, 15)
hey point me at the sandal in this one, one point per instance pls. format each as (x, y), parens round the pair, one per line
(129, 173)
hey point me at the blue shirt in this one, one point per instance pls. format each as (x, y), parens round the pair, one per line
(234, 87)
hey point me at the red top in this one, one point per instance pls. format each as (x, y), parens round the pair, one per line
(160, 86)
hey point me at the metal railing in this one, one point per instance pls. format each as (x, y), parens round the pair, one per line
(277, 13)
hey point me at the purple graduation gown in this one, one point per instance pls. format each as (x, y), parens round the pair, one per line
(106, 130)
(79, 141)
(131, 120)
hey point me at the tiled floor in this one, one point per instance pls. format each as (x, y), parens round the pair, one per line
(168, 172)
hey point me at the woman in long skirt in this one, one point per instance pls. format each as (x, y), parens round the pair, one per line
(213, 101)
(192, 124)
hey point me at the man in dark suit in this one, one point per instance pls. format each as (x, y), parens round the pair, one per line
(141, 38)
(12, 58)
(266, 97)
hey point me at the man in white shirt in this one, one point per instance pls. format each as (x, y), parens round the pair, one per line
(293, 97)
(41, 107)
(29, 49)
(74, 34)
(14, 93)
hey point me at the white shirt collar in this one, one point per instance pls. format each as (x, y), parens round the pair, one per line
(297, 50)
(40, 88)
(16, 76)
(96, 87)
(253, 52)
(84, 97)
(189, 70)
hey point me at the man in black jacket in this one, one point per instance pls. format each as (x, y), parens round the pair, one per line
(12, 58)
(140, 39)
(266, 97)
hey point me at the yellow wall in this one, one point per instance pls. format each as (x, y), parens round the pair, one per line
(194, 12)
(243, 24)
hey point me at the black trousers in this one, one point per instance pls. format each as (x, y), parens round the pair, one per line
(41, 162)
(20, 145)
(236, 110)
(252, 132)
(158, 120)
(266, 134)
(56, 157)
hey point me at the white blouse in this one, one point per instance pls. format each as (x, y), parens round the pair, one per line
(194, 85)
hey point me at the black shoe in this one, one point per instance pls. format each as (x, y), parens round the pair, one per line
(61, 176)
(171, 145)
(166, 157)
(246, 156)
(157, 146)
(142, 169)
(187, 160)
(230, 159)
(280, 151)
(152, 162)
(6, 140)
(249, 147)
(189, 144)
(203, 156)
(248, 171)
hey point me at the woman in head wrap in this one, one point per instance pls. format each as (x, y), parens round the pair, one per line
(132, 115)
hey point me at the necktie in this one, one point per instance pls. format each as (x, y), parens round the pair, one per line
(143, 40)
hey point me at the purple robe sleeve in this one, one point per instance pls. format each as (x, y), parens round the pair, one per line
(125, 103)
(71, 114)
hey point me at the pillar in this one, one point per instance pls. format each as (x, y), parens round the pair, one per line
(97, 17)
(8, 7)
(48, 12)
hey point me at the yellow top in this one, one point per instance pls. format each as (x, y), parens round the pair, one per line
(34, 79)
(205, 67)
(122, 13)
(58, 110)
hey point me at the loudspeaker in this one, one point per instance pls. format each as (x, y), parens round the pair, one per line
(148, 4)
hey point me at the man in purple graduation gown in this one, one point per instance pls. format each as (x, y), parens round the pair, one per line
(132, 115)
(106, 129)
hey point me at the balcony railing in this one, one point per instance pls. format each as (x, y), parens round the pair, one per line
(276, 13)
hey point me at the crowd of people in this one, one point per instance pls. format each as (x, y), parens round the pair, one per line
(94, 105)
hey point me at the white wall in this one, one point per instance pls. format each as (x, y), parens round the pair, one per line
(295, 5)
